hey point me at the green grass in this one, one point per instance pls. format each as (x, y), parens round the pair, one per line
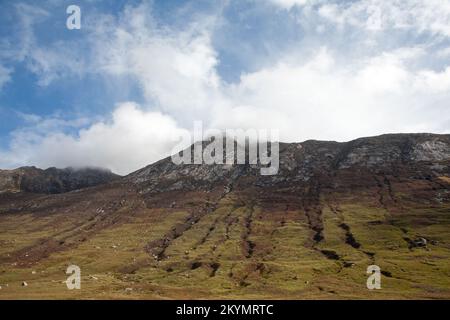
(285, 263)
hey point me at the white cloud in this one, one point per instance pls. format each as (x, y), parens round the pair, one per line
(130, 140)
(5, 76)
(55, 62)
(288, 4)
(444, 53)
(431, 16)
(28, 16)
(321, 99)
(175, 68)
(48, 62)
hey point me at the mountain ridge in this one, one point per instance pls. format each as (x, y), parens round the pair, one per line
(226, 231)
(367, 152)
(52, 180)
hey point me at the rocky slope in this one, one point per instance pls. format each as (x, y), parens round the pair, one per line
(215, 231)
(424, 154)
(52, 180)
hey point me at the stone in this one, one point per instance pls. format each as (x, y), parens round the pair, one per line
(420, 242)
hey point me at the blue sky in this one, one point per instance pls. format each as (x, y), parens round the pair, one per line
(115, 92)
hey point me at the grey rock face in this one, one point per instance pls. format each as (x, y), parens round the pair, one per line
(300, 162)
(432, 150)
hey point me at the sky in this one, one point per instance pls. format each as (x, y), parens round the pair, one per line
(119, 91)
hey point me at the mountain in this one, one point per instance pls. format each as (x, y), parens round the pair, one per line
(316, 160)
(52, 180)
(226, 231)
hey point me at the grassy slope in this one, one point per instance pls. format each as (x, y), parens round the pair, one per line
(236, 251)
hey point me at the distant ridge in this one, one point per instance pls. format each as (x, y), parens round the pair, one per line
(52, 180)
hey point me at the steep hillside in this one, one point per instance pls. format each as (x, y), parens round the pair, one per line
(215, 231)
